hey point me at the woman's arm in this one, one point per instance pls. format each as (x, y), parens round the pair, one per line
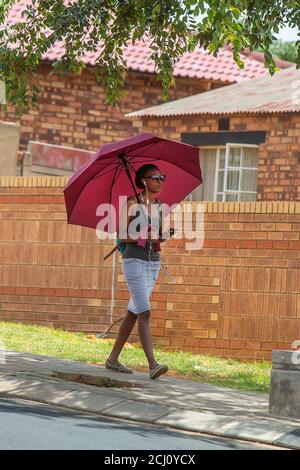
(130, 202)
(165, 235)
(172, 231)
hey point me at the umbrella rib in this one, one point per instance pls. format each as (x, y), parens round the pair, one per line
(176, 165)
(131, 167)
(117, 165)
(114, 180)
(146, 158)
(116, 160)
(104, 173)
(141, 160)
(147, 147)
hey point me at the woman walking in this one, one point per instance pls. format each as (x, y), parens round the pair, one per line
(140, 266)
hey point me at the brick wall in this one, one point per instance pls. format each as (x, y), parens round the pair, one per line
(237, 297)
(279, 158)
(72, 110)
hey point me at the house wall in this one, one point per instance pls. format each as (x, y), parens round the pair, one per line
(9, 144)
(72, 110)
(238, 297)
(279, 158)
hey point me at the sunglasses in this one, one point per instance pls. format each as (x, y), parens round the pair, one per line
(157, 178)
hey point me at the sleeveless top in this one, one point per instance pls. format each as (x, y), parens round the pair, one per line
(133, 250)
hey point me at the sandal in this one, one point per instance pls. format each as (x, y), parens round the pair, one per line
(157, 371)
(117, 367)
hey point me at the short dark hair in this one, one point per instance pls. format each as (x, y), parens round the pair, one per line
(141, 174)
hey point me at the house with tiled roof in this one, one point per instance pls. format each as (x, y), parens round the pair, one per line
(72, 110)
(248, 136)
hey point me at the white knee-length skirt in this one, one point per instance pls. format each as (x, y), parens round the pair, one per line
(140, 276)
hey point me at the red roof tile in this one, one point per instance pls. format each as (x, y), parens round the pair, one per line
(197, 64)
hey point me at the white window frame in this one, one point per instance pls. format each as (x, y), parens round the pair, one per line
(218, 149)
(217, 169)
(225, 191)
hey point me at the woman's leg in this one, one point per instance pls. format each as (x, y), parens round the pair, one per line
(146, 338)
(144, 327)
(125, 329)
(141, 280)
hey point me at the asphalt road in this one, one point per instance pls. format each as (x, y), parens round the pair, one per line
(27, 425)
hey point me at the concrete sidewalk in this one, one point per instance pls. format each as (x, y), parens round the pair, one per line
(166, 401)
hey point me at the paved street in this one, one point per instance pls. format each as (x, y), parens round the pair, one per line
(170, 403)
(27, 425)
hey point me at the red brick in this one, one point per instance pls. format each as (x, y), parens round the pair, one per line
(46, 291)
(21, 290)
(268, 346)
(7, 290)
(253, 345)
(233, 243)
(281, 245)
(262, 355)
(294, 245)
(61, 292)
(34, 291)
(217, 243)
(210, 343)
(222, 343)
(238, 344)
(249, 244)
(265, 244)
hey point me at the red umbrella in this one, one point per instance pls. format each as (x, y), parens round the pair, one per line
(110, 173)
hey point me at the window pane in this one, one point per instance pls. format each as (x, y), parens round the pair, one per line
(219, 197)
(220, 181)
(232, 197)
(233, 178)
(248, 181)
(247, 197)
(250, 157)
(222, 158)
(234, 156)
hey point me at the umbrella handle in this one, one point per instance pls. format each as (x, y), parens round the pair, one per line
(111, 252)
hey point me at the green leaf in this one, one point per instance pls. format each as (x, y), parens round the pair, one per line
(91, 26)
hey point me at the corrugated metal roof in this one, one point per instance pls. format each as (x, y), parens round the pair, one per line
(197, 64)
(272, 94)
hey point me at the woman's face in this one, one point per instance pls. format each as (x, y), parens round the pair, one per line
(154, 185)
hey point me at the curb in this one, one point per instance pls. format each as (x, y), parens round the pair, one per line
(155, 423)
(253, 430)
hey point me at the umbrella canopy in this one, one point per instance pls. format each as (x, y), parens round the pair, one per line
(110, 173)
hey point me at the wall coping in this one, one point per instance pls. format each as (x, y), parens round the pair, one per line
(33, 181)
(261, 207)
(9, 124)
